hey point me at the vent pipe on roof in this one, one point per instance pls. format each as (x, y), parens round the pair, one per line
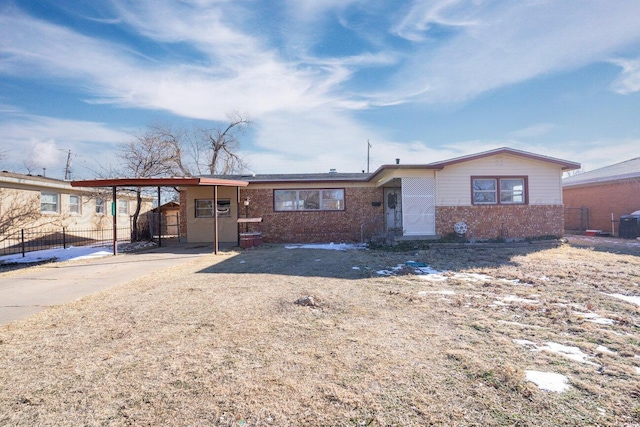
(332, 171)
(397, 161)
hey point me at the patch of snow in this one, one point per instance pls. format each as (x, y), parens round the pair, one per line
(595, 318)
(58, 254)
(524, 325)
(513, 298)
(637, 370)
(328, 246)
(604, 349)
(441, 292)
(628, 298)
(390, 272)
(355, 268)
(548, 381)
(573, 353)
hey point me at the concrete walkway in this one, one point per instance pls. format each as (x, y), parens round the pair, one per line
(35, 289)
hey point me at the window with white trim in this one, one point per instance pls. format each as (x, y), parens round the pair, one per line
(499, 190)
(75, 203)
(100, 207)
(123, 207)
(49, 202)
(309, 200)
(204, 208)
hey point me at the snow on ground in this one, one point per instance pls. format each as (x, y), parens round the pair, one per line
(70, 253)
(329, 246)
(390, 272)
(628, 298)
(573, 353)
(548, 381)
(595, 318)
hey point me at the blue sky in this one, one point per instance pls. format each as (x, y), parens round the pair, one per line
(422, 80)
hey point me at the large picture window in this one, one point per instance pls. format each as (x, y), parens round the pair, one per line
(309, 200)
(499, 190)
(204, 208)
(48, 202)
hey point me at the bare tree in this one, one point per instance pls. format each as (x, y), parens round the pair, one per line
(149, 155)
(163, 151)
(220, 146)
(29, 165)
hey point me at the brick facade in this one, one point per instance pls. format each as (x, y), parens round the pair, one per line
(619, 198)
(183, 215)
(508, 222)
(318, 226)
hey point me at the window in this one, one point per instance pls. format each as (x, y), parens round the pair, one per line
(100, 206)
(204, 208)
(74, 204)
(48, 202)
(123, 207)
(499, 190)
(309, 200)
(512, 191)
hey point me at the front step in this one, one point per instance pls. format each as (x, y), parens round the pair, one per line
(418, 237)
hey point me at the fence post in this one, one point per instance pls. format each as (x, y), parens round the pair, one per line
(64, 239)
(22, 240)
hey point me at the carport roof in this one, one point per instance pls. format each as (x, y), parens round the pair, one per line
(159, 182)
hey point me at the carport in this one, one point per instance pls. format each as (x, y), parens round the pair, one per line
(114, 183)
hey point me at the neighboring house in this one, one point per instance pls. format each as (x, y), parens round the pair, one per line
(593, 198)
(40, 204)
(502, 193)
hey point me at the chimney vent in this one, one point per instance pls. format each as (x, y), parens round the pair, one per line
(397, 161)
(332, 171)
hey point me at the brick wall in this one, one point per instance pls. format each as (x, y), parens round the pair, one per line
(509, 222)
(602, 200)
(319, 226)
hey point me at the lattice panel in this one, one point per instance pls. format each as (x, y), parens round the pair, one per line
(419, 206)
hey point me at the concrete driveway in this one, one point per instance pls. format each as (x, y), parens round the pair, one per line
(31, 290)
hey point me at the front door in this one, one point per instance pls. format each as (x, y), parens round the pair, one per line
(393, 209)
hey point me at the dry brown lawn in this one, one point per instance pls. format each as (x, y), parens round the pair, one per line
(220, 341)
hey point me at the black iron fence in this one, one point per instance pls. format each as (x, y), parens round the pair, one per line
(22, 241)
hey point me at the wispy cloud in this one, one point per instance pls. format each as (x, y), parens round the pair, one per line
(533, 131)
(42, 141)
(512, 43)
(629, 80)
(423, 16)
(206, 58)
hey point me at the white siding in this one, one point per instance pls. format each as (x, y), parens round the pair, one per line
(544, 179)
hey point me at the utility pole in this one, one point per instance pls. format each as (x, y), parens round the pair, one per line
(67, 169)
(368, 154)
